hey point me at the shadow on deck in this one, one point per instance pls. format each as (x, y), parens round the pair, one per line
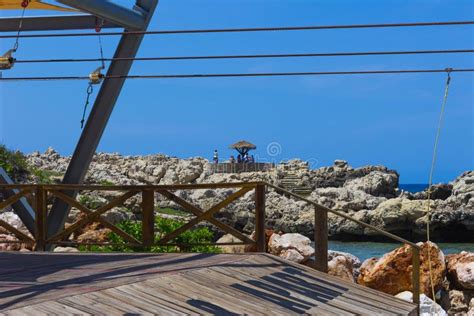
(225, 284)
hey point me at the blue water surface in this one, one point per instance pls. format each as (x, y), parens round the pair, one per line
(413, 187)
(365, 250)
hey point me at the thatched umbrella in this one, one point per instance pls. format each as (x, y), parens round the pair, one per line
(243, 147)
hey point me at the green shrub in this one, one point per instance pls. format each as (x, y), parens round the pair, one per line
(13, 162)
(45, 176)
(163, 226)
(90, 202)
(106, 183)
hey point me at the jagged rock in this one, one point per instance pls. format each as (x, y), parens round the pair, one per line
(341, 267)
(393, 272)
(253, 236)
(8, 247)
(457, 302)
(90, 236)
(460, 269)
(117, 215)
(228, 238)
(364, 193)
(355, 262)
(280, 244)
(65, 249)
(13, 219)
(427, 306)
(292, 255)
(376, 183)
(440, 191)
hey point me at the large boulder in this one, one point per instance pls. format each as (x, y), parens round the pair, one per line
(457, 302)
(341, 266)
(294, 247)
(228, 238)
(376, 183)
(460, 269)
(14, 246)
(427, 306)
(65, 249)
(392, 273)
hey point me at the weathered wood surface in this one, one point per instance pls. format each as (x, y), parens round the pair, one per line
(178, 284)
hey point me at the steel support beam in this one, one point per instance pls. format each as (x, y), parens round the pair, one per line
(22, 208)
(98, 118)
(53, 23)
(130, 19)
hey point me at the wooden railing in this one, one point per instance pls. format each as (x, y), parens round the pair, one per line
(40, 240)
(238, 167)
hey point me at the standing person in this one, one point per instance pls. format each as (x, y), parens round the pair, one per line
(239, 158)
(232, 159)
(216, 157)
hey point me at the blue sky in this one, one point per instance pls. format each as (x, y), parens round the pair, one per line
(388, 119)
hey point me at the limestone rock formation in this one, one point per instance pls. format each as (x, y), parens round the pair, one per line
(427, 306)
(65, 249)
(368, 193)
(228, 238)
(294, 247)
(457, 302)
(393, 272)
(460, 268)
(341, 267)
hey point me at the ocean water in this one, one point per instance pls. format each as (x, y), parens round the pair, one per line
(365, 250)
(413, 187)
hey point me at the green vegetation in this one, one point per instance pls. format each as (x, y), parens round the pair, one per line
(171, 211)
(90, 202)
(15, 165)
(106, 182)
(45, 176)
(14, 162)
(163, 226)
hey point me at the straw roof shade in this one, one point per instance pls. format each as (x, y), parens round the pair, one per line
(243, 147)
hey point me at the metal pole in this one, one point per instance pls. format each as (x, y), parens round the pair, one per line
(97, 121)
(55, 22)
(22, 208)
(110, 11)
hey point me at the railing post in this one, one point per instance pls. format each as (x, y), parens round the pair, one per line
(321, 240)
(416, 277)
(148, 217)
(40, 218)
(260, 217)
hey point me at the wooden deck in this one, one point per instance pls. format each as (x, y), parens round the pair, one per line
(170, 284)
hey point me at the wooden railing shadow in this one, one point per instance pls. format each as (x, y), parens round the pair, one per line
(41, 240)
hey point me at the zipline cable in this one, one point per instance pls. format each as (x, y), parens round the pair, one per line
(296, 55)
(24, 4)
(268, 74)
(255, 29)
(430, 180)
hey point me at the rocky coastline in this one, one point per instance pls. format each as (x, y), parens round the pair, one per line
(370, 194)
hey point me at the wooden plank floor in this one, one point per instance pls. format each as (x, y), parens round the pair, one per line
(178, 284)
